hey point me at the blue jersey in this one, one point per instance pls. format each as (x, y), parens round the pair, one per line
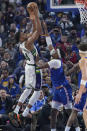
(57, 73)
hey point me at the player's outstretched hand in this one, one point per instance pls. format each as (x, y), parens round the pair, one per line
(77, 98)
(32, 9)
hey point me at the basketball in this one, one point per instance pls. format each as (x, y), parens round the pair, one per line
(30, 8)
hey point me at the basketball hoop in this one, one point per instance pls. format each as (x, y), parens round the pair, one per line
(82, 7)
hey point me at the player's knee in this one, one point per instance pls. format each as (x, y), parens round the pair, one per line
(34, 97)
(73, 115)
(24, 95)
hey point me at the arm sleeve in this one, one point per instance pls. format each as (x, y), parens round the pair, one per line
(54, 64)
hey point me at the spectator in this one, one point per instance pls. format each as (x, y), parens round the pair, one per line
(9, 15)
(65, 23)
(6, 104)
(73, 34)
(55, 35)
(38, 105)
(11, 62)
(5, 78)
(44, 116)
(10, 48)
(13, 27)
(13, 89)
(3, 66)
(36, 108)
(23, 25)
(1, 53)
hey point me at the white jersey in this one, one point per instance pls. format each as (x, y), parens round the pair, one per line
(29, 55)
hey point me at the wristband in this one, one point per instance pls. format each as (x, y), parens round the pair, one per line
(58, 51)
(48, 41)
(83, 82)
(52, 52)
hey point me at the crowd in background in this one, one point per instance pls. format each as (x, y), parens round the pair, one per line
(66, 33)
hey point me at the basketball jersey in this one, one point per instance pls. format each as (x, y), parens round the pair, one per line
(57, 75)
(30, 56)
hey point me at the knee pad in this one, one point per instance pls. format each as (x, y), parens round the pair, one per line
(24, 95)
(35, 96)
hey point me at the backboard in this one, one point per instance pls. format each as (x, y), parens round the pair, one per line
(61, 5)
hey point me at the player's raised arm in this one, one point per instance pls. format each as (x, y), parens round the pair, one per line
(36, 25)
(41, 64)
(49, 42)
(48, 39)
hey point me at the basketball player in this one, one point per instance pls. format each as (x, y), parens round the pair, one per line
(83, 85)
(63, 91)
(30, 53)
(77, 106)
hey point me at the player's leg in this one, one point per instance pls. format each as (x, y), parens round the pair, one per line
(29, 79)
(56, 104)
(72, 119)
(54, 114)
(35, 96)
(73, 116)
(85, 115)
(22, 98)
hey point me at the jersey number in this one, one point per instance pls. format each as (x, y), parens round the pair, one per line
(26, 56)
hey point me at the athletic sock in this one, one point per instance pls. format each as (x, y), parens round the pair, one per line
(16, 110)
(67, 128)
(77, 128)
(53, 129)
(26, 111)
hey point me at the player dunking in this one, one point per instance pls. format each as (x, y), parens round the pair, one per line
(30, 53)
(83, 86)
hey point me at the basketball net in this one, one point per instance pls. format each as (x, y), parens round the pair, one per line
(82, 6)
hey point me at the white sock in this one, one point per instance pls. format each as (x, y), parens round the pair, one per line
(16, 110)
(77, 128)
(67, 128)
(26, 111)
(53, 129)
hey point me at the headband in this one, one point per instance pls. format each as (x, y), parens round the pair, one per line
(84, 52)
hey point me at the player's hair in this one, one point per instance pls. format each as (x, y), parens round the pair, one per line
(83, 46)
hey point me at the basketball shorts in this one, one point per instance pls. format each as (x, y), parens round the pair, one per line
(62, 96)
(30, 76)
